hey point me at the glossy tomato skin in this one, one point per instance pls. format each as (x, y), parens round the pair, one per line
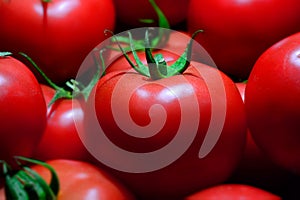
(255, 167)
(233, 192)
(237, 32)
(130, 12)
(188, 173)
(60, 139)
(271, 99)
(81, 180)
(22, 107)
(56, 35)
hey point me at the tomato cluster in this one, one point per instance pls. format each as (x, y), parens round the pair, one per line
(215, 122)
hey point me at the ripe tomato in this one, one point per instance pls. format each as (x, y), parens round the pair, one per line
(233, 192)
(266, 174)
(80, 180)
(174, 10)
(56, 35)
(180, 97)
(236, 32)
(60, 139)
(272, 100)
(22, 108)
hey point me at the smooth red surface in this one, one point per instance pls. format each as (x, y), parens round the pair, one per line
(60, 139)
(271, 98)
(189, 173)
(22, 108)
(233, 192)
(237, 32)
(57, 35)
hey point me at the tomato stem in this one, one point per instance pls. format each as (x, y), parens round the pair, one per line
(87, 89)
(157, 66)
(60, 91)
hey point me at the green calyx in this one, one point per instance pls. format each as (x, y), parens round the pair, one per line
(27, 184)
(157, 67)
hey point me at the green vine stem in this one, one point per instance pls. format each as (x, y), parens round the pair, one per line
(27, 184)
(60, 91)
(72, 84)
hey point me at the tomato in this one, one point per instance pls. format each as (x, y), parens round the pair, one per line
(174, 10)
(56, 35)
(256, 168)
(22, 108)
(233, 192)
(60, 138)
(271, 99)
(81, 180)
(237, 32)
(169, 107)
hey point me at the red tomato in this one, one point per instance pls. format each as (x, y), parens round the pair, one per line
(236, 32)
(188, 173)
(272, 100)
(60, 138)
(56, 35)
(130, 12)
(80, 180)
(233, 192)
(22, 108)
(266, 174)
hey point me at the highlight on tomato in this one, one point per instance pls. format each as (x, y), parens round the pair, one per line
(22, 107)
(172, 120)
(56, 34)
(271, 99)
(233, 192)
(237, 32)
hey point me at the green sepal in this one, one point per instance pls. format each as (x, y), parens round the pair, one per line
(140, 67)
(184, 60)
(87, 89)
(54, 182)
(49, 195)
(30, 185)
(157, 66)
(13, 188)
